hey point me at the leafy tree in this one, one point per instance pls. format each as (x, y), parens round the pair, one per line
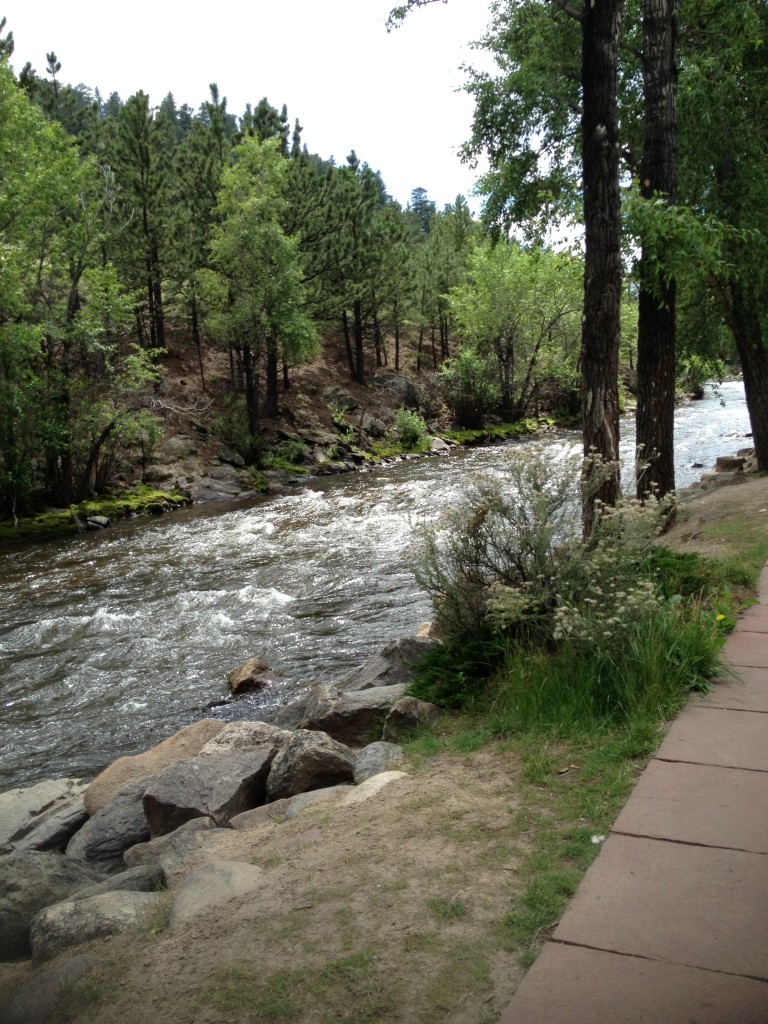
(521, 309)
(255, 295)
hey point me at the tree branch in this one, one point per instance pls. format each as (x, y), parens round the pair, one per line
(398, 14)
(567, 9)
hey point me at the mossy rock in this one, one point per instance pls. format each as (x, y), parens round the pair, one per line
(58, 522)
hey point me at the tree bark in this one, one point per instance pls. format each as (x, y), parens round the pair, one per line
(656, 325)
(357, 310)
(602, 260)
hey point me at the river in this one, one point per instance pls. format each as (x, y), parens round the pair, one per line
(111, 641)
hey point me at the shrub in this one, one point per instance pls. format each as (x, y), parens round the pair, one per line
(410, 428)
(470, 387)
(580, 630)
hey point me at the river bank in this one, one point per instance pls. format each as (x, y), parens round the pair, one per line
(393, 909)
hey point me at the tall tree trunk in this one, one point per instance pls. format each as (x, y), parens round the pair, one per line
(270, 398)
(251, 390)
(357, 310)
(197, 339)
(740, 313)
(601, 322)
(348, 344)
(397, 342)
(656, 325)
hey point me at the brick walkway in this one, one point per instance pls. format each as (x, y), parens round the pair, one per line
(670, 924)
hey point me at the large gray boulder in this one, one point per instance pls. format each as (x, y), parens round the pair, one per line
(408, 714)
(143, 878)
(189, 847)
(69, 924)
(352, 717)
(218, 785)
(30, 881)
(185, 743)
(37, 1001)
(210, 886)
(43, 816)
(376, 758)
(393, 666)
(309, 760)
(122, 823)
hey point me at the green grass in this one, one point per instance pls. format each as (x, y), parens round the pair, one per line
(59, 522)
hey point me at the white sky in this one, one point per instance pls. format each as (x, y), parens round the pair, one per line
(391, 97)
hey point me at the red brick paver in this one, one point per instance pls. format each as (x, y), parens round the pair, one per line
(670, 924)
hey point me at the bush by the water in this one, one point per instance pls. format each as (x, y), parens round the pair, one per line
(548, 628)
(410, 428)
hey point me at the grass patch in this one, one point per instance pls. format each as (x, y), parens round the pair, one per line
(61, 522)
(497, 432)
(448, 910)
(349, 989)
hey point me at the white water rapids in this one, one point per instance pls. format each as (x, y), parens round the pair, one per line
(111, 641)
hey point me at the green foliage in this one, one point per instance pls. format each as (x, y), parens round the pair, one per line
(580, 632)
(469, 385)
(410, 428)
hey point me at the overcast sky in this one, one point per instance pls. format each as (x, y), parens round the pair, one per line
(391, 97)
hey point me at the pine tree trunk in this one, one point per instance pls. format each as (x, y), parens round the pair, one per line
(359, 374)
(348, 344)
(270, 398)
(741, 314)
(656, 325)
(602, 260)
(197, 340)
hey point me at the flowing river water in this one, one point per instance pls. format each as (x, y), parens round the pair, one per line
(111, 641)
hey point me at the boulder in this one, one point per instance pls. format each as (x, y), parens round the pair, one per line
(406, 715)
(211, 885)
(371, 788)
(301, 801)
(251, 676)
(391, 667)
(187, 848)
(376, 758)
(108, 834)
(185, 743)
(30, 881)
(39, 1000)
(69, 924)
(337, 398)
(151, 852)
(729, 463)
(353, 717)
(437, 446)
(290, 714)
(373, 425)
(309, 760)
(218, 785)
(244, 735)
(143, 878)
(43, 816)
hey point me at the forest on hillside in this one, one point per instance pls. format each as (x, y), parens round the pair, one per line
(123, 224)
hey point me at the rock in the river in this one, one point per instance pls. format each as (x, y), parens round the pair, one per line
(211, 885)
(254, 674)
(392, 667)
(38, 1001)
(185, 743)
(68, 924)
(376, 758)
(30, 881)
(309, 760)
(41, 817)
(218, 785)
(122, 823)
(406, 714)
(352, 717)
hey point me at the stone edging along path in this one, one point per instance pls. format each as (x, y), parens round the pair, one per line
(670, 923)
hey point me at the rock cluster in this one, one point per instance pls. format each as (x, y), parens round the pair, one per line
(81, 862)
